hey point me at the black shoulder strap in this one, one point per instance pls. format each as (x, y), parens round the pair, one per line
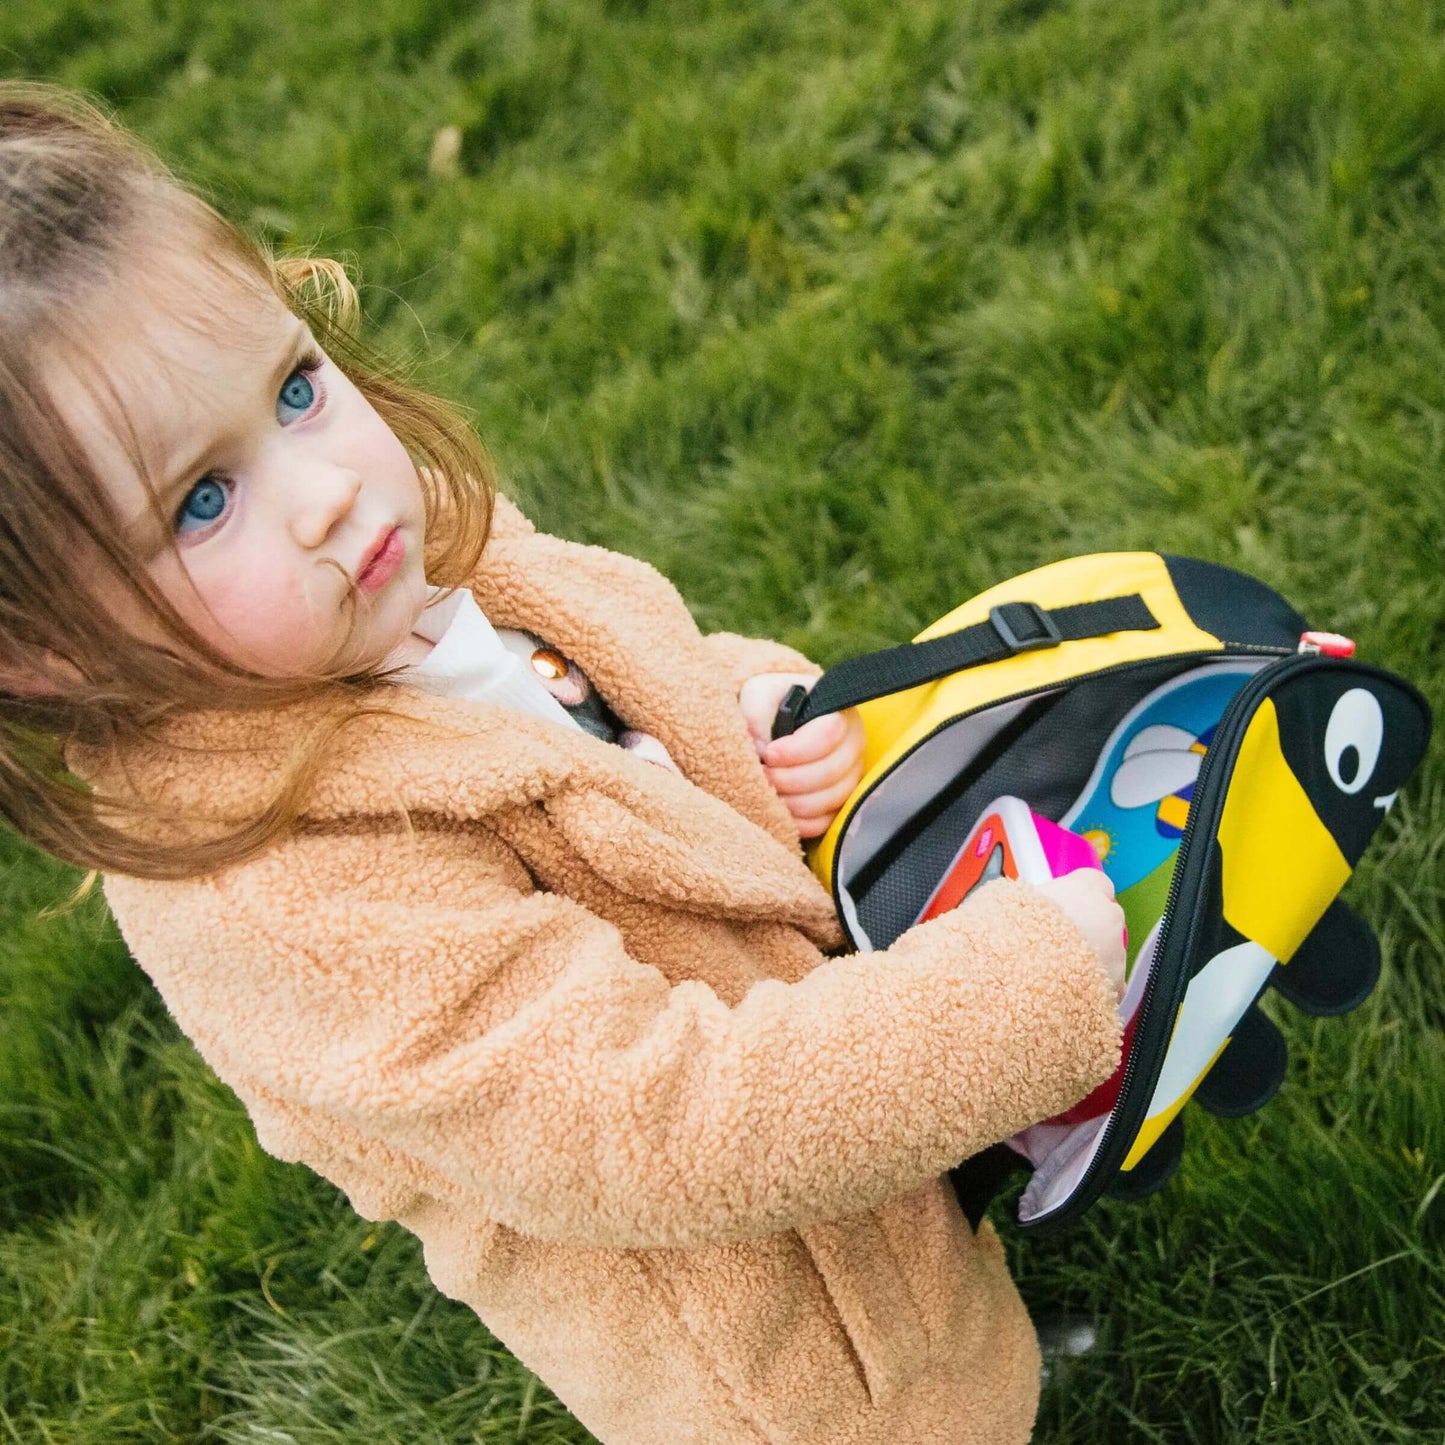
(1011, 628)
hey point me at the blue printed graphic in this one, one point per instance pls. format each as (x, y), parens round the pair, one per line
(1136, 805)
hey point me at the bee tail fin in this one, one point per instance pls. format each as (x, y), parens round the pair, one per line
(1249, 1071)
(1335, 968)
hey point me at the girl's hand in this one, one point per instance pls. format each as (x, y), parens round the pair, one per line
(815, 769)
(1087, 897)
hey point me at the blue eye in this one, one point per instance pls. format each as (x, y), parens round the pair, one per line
(296, 397)
(203, 504)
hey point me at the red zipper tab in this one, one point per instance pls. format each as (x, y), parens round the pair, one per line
(1330, 644)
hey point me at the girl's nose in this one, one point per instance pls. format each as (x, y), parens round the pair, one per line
(322, 499)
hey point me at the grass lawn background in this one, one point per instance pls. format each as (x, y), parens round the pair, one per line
(837, 313)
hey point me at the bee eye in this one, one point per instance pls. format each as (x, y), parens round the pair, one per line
(1352, 739)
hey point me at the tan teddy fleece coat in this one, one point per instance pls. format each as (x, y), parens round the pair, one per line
(569, 1020)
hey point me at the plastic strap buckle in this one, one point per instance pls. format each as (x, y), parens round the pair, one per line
(785, 723)
(1038, 629)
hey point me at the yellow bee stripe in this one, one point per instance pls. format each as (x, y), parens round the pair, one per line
(1282, 867)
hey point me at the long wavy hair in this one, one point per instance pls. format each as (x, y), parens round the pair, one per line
(82, 203)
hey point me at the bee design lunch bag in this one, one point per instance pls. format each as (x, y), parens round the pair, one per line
(1229, 767)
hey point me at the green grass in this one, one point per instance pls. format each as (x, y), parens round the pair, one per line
(837, 312)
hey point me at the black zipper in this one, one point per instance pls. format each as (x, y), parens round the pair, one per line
(1230, 731)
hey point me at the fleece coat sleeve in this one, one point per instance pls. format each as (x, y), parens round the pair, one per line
(510, 1045)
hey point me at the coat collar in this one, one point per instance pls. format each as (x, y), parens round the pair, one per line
(626, 626)
(642, 828)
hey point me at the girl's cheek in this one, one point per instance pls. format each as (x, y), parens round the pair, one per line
(376, 450)
(258, 614)
(277, 619)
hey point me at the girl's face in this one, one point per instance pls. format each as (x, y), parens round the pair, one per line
(294, 516)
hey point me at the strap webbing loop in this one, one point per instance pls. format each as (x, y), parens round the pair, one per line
(1013, 627)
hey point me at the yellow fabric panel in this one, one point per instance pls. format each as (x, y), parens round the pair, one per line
(1154, 1126)
(893, 725)
(1281, 865)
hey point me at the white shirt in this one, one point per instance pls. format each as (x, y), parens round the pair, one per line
(473, 661)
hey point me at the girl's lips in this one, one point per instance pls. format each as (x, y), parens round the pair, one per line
(384, 564)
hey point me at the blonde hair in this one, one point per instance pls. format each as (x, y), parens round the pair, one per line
(80, 199)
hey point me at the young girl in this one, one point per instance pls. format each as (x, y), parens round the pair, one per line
(464, 860)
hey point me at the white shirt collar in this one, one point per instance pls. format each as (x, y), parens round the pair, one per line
(469, 661)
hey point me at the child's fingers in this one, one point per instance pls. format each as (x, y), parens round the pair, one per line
(825, 802)
(813, 827)
(811, 741)
(811, 777)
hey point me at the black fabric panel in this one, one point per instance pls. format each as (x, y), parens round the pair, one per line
(1233, 606)
(1305, 706)
(977, 1180)
(1215, 933)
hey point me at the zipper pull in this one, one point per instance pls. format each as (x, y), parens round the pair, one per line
(1330, 644)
